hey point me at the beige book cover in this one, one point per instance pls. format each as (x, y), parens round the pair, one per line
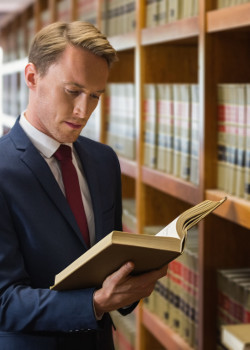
(236, 336)
(146, 251)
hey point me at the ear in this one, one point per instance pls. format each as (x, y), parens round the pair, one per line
(31, 75)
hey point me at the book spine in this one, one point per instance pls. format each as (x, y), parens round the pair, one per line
(63, 11)
(162, 128)
(185, 132)
(151, 13)
(241, 138)
(150, 125)
(169, 128)
(177, 105)
(247, 162)
(87, 11)
(173, 12)
(162, 12)
(195, 144)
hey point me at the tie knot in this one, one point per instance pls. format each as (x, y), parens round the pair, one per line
(63, 153)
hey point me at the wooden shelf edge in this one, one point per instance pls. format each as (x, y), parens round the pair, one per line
(128, 167)
(171, 185)
(228, 18)
(234, 209)
(163, 333)
(123, 41)
(182, 29)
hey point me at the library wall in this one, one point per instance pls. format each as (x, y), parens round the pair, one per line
(176, 111)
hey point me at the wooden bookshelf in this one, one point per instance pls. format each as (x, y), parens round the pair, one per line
(235, 209)
(198, 50)
(228, 18)
(182, 29)
(171, 185)
(163, 333)
(123, 42)
(128, 167)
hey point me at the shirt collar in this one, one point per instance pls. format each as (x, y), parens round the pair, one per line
(45, 144)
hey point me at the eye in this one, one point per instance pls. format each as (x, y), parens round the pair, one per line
(72, 92)
(95, 96)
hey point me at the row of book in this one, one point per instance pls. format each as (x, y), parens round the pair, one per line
(15, 94)
(129, 220)
(233, 167)
(120, 116)
(118, 17)
(233, 297)
(171, 131)
(19, 38)
(229, 3)
(160, 12)
(174, 299)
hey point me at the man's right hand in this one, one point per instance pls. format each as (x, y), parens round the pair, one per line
(122, 289)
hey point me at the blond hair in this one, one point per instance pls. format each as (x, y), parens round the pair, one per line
(50, 42)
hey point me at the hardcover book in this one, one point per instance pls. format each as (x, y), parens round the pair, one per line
(146, 251)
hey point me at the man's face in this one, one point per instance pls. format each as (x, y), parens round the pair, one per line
(62, 101)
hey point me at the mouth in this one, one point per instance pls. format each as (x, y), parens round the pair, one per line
(74, 126)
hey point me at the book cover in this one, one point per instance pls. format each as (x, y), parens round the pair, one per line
(236, 336)
(146, 251)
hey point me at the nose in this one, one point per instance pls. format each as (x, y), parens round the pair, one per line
(82, 107)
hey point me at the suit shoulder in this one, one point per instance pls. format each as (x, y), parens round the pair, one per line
(96, 146)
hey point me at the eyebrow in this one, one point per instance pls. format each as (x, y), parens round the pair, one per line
(80, 86)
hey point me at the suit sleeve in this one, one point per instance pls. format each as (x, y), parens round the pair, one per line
(23, 308)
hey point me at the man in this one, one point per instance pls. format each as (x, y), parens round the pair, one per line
(39, 234)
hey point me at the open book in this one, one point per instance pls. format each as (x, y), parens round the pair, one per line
(146, 251)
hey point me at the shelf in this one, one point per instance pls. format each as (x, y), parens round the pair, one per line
(171, 185)
(234, 209)
(228, 18)
(128, 167)
(164, 334)
(182, 29)
(123, 42)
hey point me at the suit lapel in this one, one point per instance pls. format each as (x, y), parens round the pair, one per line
(40, 169)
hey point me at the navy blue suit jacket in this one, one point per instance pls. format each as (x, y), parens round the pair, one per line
(39, 237)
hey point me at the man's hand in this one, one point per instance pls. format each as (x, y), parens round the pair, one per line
(121, 288)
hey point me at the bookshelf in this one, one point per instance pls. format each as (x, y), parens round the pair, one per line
(207, 49)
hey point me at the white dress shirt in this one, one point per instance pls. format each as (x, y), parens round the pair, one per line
(47, 147)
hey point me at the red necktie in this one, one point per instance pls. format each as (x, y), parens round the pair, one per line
(72, 189)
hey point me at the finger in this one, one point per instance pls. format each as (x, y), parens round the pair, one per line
(126, 269)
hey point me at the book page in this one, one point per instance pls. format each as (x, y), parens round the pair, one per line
(169, 230)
